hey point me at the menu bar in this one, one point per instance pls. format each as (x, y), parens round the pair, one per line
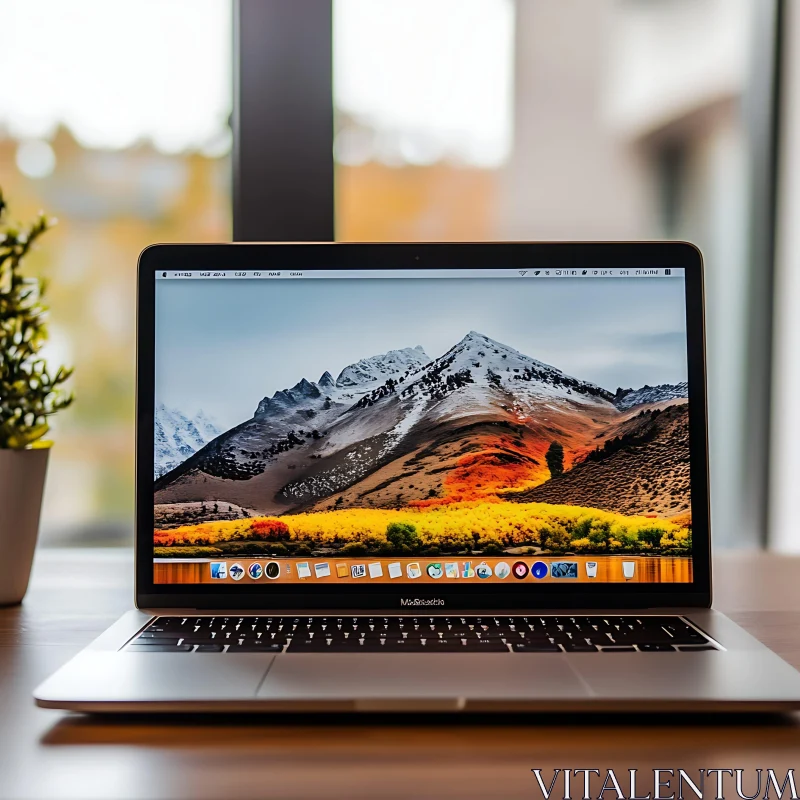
(342, 274)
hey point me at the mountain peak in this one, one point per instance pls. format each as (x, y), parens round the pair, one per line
(474, 337)
(382, 366)
(326, 380)
(301, 391)
(305, 388)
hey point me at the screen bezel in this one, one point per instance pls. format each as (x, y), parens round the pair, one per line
(306, 256)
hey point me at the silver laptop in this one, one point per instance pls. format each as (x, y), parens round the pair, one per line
(403, 478)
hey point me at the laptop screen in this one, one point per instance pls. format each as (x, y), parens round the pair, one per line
(421, 426)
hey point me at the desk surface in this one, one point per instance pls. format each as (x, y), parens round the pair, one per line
(76, 594)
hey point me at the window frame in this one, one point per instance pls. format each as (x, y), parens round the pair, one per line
(282, 121)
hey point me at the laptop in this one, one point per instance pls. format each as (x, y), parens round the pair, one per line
(422, 477)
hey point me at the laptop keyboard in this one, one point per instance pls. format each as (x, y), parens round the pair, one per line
(531, 634)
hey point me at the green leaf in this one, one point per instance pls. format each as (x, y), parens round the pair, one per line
(27, 393)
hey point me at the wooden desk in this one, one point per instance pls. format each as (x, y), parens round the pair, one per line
(76, 594)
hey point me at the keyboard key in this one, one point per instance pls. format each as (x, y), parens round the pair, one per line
(161, 648)
(210, 648)
(619, 649)
(318, 646)
(370, 646)
(640, 638)
(485, 646)
(689, 638)
(538, 647)
(656, 648)
(579, 647)
(600, 639)
(255, 647)
(405, 646)
(156, 642)
(695, 648)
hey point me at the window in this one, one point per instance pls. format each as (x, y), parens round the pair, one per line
(114, 119)
(568, 120)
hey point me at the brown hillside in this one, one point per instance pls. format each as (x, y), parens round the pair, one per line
(646, 472)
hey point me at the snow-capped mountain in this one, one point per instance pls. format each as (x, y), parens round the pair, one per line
(315, 439)
(628, 398)
(476, 373)
(381, 367)
(177, 437)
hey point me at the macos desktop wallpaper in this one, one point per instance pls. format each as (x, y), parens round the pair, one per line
(422, 419)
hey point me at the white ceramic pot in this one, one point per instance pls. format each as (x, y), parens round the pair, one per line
(22, 474)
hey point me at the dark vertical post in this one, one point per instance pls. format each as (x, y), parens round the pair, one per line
(283, 121)
(762, 108)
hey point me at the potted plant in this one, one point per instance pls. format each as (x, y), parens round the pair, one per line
(29, 394)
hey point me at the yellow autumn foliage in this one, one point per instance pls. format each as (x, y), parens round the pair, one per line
(473, 524)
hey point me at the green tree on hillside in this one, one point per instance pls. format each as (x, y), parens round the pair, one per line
(402, 536)
(555, 459)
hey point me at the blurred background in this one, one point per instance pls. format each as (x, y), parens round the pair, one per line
(409, 120)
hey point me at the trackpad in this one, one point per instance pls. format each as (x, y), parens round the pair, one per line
(156, 677)
(364, 677)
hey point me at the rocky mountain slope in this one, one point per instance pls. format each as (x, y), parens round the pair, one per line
(644, 470)
(628, 398)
